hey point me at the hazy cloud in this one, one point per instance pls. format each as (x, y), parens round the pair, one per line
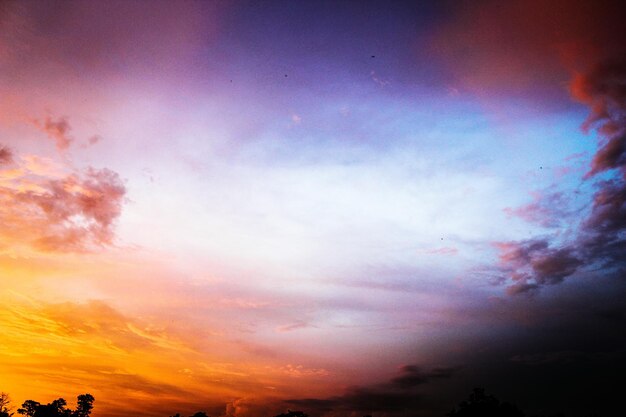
(6, 156)
(94, 139)
(547, 210)
(527, 46)
(57, 130)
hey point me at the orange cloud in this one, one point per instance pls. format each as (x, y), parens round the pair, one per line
(68, 346)
(131, 365)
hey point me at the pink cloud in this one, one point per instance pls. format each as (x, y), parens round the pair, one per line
(446, 250)
(294, 326)
(6, 156)
(43, 207)
(600, 240)
(546, 209)
(57, 130)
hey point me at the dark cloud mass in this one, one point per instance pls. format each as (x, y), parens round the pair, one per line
(533, 263)
(603, 89)
(601, 240)
(396, 395)
(413, 376)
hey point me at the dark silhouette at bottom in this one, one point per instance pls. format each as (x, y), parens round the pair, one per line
(480, 404)
(57, 408)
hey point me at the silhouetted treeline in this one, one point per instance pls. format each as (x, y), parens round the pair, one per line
(57, 408)
(5, 405)
(479, 404)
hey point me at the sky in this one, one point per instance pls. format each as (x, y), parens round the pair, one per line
(346, 208)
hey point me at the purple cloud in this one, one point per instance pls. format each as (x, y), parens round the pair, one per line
(600, 241)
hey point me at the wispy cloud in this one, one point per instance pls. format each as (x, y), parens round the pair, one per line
(58, 130)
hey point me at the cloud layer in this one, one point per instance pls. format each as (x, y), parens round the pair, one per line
(599, 242)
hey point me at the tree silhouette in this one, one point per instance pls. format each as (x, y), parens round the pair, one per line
(84, 405)
(480, 404)
(5, 405)
(54, 409)
(29, 407)
(57, 408)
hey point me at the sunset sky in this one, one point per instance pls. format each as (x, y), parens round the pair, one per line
(340, 207)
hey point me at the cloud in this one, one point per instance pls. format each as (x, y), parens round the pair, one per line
(398, 394)
(6, 155)
(526, 46)
(57, 130)
(93, 346)
(298, 371)
(535, 260)
(444, 250)
(79, 209)
(300, 324)
(413, 376)
(600, 241)
(565, 357)
(92, 327)
(97, 37)
(547, 210)
(94, 139)
(250, 407)
(603, 89)
(50, 209)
